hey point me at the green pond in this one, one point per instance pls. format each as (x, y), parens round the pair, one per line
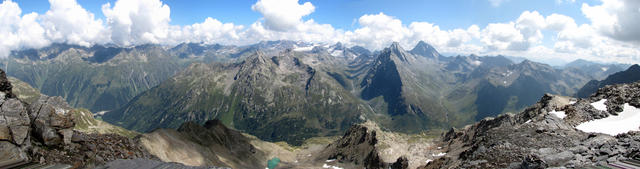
(273, 163)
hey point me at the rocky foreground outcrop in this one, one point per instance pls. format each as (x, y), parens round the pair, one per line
(358, 147)
(211, 144)
(536, 138)
(42, 132)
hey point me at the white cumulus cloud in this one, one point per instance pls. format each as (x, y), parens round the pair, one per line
(67, 22)
(617, 19)
(18, 31)
(137, 21)
(282, 15)
(612, 35)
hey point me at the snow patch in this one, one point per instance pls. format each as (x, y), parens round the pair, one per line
(429, 160)
(599, 105)
(331, 160)
(439, 154)
(337, 53)
(303, 49)
(528, 121)
(476, 62)
(559, 114)
(330, 166)
(604, 69)
(572, 102)
(625, 121)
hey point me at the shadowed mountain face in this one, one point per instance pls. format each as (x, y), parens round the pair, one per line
(630, 75)
(384, 80)
(492, 100)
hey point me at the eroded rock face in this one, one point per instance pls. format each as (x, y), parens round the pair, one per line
(14, 125)
(14, 120)
(536, 138)
(51, 120)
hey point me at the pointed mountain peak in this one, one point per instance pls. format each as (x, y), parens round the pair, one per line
(339, 45)
(423, 45)
(425, 50)
(527, 62)
(396, 51)
(395, 46)
(258, 57)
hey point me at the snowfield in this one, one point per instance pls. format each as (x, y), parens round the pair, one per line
(599, 105)
(625, 121)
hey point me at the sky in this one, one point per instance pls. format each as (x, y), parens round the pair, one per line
(553, 31)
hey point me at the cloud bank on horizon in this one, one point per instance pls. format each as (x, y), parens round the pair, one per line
(612, 36)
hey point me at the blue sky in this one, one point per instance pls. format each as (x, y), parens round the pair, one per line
(448, 14)
(553, 31)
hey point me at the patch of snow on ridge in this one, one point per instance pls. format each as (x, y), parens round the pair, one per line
(559, 114)
(476, 62)
(599, 105)
(303, 49)
(337, 53)
(625, 121)
(330, 166)
(439, 154)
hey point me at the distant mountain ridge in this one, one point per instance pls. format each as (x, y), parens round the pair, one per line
(628, 76)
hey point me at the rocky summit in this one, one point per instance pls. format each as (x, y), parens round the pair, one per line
(358, 146)
(547, 134)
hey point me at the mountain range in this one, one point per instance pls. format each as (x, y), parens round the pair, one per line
(320, 89)
(382, 101)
